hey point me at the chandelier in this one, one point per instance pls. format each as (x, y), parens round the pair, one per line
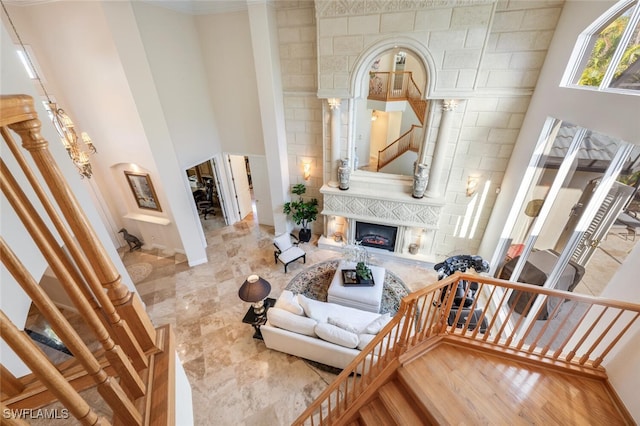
(78, 148)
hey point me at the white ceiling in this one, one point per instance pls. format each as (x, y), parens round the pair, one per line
(192, 7)
(201, 7)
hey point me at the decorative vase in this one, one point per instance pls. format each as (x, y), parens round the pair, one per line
(344, 172)
(420, 179)
(304, 235)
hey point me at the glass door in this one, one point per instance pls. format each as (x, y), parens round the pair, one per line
(567, 203)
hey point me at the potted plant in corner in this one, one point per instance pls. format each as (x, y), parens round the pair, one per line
(302, 212)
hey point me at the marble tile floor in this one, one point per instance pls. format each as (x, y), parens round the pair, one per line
(235, 379)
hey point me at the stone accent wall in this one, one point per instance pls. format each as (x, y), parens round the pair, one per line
(489, 122)
(453, 37)
(485, 54)
(303, 109)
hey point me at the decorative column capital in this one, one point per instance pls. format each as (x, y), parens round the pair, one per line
(449, 104)
(334, 103)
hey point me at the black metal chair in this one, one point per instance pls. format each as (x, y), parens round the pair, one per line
(288, 251)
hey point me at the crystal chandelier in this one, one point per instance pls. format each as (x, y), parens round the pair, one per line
(78, 148)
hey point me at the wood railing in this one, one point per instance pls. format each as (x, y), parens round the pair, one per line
(133, 355)
(397, 86)
(577, 334)
(408, 141)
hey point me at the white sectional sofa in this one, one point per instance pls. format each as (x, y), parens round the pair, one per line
(324, 332)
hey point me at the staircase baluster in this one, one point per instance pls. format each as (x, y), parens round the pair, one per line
(125, 302)
(10, 384)
(63, 271)
(35, 359)
(107, 386)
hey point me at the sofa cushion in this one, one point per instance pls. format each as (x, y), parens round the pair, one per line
(337, 335)
(378, 324)
(296, 323)
(321, 311)
(289, 302)
(315, 309)
(345, 325)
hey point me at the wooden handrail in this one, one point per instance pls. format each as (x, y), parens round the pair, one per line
(134, 370)
(406, 142)
(427, 316)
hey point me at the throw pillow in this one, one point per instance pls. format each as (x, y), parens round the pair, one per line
(337, 335)
(375, 326)
(289, 302)
(364, 340)
(315, 309)
(343, 324)
(296, 323)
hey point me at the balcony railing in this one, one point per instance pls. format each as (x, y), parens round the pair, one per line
(397, 86)
(584, 331)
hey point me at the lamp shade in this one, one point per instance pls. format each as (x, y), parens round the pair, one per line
(254, 289)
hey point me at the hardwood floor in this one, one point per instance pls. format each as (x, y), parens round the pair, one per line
(462, 386)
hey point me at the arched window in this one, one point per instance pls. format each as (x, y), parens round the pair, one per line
(606, 56)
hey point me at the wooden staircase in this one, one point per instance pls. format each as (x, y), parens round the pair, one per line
(450, 384)
(394, 405)
(430, 365)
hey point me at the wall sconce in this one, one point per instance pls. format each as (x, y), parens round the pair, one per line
(306, 170)
(374, 115)
(472, 185)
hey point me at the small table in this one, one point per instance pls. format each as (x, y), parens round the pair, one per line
(364, 298)
(257, 320)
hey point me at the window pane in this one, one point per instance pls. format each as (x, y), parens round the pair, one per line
(603, 49)
(627, 75)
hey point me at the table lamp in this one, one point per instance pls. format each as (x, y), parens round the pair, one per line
(255, 290)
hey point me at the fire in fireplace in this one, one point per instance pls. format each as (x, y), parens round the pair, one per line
(378, 236)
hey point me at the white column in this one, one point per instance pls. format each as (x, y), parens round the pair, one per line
(437, 164)
(264, 39)
(334, 105)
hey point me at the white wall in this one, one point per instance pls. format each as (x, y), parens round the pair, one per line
(228, 61)
(624, 360)
(160, 101)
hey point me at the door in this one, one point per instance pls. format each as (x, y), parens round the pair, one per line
(261, 192)
(241, 189)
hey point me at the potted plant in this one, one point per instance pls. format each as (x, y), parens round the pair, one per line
(364, 273)
(302, 212)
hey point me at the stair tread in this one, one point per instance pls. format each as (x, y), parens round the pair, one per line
(376, 414)
(399, 403)
(411, 382)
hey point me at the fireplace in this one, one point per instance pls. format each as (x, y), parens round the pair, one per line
(378, 236)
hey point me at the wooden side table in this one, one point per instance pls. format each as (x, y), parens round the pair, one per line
(257, 320)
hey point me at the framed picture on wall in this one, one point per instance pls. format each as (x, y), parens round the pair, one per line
(143, 191)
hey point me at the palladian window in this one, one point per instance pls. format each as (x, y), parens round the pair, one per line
(606, 56)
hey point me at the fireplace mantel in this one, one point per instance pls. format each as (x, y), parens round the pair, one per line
(375, 205)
